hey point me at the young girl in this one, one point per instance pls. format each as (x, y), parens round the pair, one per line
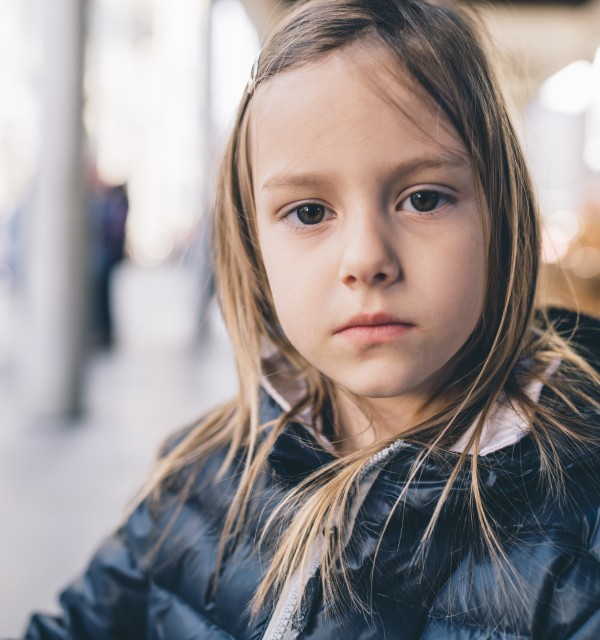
(413, 452)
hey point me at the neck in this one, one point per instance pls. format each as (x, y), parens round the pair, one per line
(363, 422)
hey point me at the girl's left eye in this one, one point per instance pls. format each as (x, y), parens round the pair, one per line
(424, 201)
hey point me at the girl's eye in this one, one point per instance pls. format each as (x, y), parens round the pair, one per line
(307, 214)
(424, 201)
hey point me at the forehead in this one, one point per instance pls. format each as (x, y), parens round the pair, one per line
(353, 100)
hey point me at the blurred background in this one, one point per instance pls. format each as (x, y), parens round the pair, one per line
(112, 113)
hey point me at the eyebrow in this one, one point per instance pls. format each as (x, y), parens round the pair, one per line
(283, 180)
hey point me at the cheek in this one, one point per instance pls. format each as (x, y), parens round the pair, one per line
(457, 274)
(468, 275)
(296, 301)
(288, 279)
(302, 284)
(464, 275)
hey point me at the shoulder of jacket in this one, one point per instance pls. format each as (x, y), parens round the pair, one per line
(580, 330)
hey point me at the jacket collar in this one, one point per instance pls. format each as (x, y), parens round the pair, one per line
(302, 448)
(297, 451)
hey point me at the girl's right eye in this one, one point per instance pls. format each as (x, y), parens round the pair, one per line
(307, 214)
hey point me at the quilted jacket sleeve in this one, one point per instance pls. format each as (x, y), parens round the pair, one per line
(109, 601)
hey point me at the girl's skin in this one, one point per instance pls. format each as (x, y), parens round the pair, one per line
(371, 232)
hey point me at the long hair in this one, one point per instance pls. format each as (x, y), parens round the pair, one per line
(439, 47)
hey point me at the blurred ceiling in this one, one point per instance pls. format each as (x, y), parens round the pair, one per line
(520, 3)
(536, 40)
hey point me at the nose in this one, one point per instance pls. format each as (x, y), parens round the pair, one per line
(368, 254)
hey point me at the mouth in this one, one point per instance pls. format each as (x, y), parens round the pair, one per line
(374, 328)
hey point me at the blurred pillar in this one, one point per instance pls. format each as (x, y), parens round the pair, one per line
(200, 255)
(55, 266)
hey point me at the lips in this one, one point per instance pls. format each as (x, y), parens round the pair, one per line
(374, 328)
(372, 320)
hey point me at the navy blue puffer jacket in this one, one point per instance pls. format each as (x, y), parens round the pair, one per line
(137, 589)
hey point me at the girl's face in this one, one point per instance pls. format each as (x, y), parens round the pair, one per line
(369, 224)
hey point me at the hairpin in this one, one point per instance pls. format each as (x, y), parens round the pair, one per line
(252, 80)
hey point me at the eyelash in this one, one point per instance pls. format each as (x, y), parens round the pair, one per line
(442, 195)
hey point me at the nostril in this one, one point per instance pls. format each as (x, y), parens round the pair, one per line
(380, 277)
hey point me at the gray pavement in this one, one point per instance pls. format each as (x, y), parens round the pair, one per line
(64, 485)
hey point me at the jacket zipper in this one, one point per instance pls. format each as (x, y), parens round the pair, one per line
(279, 629)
